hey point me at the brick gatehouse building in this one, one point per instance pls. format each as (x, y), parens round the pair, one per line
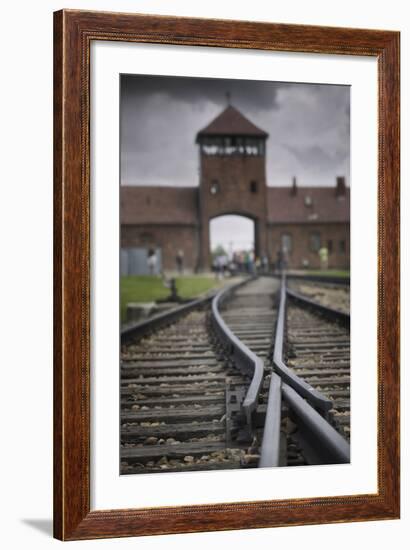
(232, 180)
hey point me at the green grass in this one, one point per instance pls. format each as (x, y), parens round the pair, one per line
(147, 288)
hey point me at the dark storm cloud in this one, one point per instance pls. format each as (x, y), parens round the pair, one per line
(308, 127)
(316, 157)
(243, 93)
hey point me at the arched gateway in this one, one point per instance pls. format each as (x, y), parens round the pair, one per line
(232, 176)
(232, 180)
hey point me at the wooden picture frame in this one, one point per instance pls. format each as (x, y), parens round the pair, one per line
(74, 32)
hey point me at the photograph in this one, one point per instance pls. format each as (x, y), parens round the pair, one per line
(197, 197)
(208, 255)
(234, 268)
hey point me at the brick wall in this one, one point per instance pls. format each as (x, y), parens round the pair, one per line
(169, 238)
(301, 243)
(235, 195)
(190, 230)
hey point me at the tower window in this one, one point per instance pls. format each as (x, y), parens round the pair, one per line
(214, 187)
(342, 247)
(253, 186)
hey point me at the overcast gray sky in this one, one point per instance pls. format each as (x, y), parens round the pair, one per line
(308, 126)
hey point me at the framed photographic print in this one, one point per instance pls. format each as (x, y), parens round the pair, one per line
(226, 335)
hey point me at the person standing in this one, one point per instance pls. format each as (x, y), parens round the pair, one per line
(220, 262)
(152, 261)
(258, 264)
(279, 261)
(265, 263)
(285, 258)
(247, 261)
(180, 261)
(324, 257)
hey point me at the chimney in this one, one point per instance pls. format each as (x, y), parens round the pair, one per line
(340, 186)
(294, 189)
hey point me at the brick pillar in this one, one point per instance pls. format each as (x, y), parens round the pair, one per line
(261, 245)
(204, 256)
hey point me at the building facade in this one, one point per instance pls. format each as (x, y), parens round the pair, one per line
(297, 220)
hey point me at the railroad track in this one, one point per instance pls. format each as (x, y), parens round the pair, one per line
(331, 295)
(317, 349)
(201, 389)
(251, 314)
(175, 384)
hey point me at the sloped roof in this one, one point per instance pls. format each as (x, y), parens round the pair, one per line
(158, 205)
(231, 122)
(283, 207)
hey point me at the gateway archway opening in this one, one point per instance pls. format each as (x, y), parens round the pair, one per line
(232, 242)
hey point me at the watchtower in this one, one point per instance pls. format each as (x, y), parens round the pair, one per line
(232, 154)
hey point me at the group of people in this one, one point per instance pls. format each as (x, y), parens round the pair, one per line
(282, 259)
(241, 262)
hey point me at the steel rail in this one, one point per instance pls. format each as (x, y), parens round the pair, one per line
(332, 314)
(321, 441)
(270, 447)
(319, 438)
(244, 359)
(162, 319)
(271, 433)
(330, 279)
(303, 388)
